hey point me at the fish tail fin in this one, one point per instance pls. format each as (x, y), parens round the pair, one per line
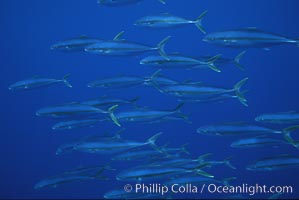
(99, 175)
(226, 181)
(198, 22)
(184, 150)
(203, 157)
(275, 196)
(153, 76)
(185, 118)
(157, 87)
(211, 63)
(152, 141)
(287, 135)
(237, 60)
(133, 101)
(239, 93)
(178, 108)
(161, 47)
(118, 36)
(65, 81)
(227, 163)
(112, 116)
(203, 173)
(162, 1)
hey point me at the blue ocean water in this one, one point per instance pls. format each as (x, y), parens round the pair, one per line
(28, 145)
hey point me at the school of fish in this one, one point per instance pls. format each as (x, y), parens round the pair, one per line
(167, 164)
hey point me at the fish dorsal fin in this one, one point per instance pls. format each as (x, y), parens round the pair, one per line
(118, 36)
(35, 77)
(83, 36)
(165, 14)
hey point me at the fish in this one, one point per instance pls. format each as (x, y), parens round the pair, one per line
(258, 141)
(195, 179)
(226, 162)
(225, 61)
(247, 38)
(65, 149)
(118, 82)
(122, 194)
(143, 115)
(125, 48)
(291, 117)
(80, 43)
(70, 147)
(158, 79)
(153, 172)
(240, 129)
(115, 3)
(198, 91)
(235, 128)
(105, 101)
(73, 124)
(105, 146)
(176, 61)
(79, 174)
(279, 162)
(75, 44)
(209, 99)
(146, 154)
(70, 110)
(167, 20)
(181, 161)
(38, 82)
(137, 155)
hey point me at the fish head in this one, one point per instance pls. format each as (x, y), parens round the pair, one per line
(38, 113)
(143, 22)
(61, 46)
(251, 168)
(59, 151)
(219, 38)
(205, 130)
(212, 38)
(151, 60)
(260, 118)
(58, 126)
(17, 86)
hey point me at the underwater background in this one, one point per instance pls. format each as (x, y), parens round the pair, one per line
(28, 145)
